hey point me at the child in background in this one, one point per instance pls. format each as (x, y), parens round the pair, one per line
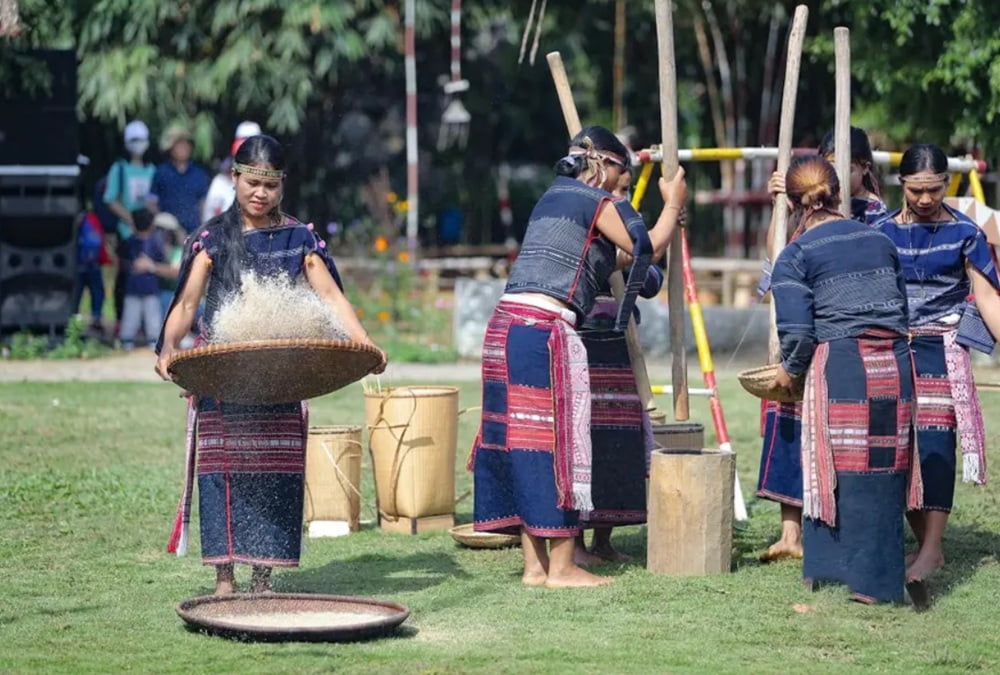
(168, 229)
(91, 256)
(142, 253)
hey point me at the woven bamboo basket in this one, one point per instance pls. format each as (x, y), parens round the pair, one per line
(413, 434)
(264, 372)
(333, 475)
(467, 536)
(757, 380)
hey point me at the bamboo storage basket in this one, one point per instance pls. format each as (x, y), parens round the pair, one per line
(413, 433)
(333, 475)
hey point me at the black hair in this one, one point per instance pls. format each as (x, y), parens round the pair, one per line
(861, 152)
(923, 157)
(602, 140)
(263, 151)
(142, 220)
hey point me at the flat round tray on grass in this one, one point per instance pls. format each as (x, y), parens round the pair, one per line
(466, 536)
(266, 372)
(280, 617)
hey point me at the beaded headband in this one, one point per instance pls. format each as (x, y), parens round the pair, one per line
(257, 171)
(933, 178)
(591, 152)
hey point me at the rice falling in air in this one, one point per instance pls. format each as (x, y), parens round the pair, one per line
(276, 308)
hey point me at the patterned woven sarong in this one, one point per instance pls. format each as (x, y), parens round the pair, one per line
(532, 456)
(780, 475)
(859, 465)
(618, 424)
(250, 472)
(857, 417)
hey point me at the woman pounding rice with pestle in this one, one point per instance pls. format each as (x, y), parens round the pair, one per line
(840, 302)
(620, 431)
(250, 458)
(532, 456)
(945, 257)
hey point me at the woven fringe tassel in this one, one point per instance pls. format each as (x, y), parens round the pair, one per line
(582, 500)
(972, 472)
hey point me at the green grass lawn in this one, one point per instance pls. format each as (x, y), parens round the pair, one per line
(90, 477)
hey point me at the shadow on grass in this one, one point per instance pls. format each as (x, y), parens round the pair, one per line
(967, 547)
(374, 574)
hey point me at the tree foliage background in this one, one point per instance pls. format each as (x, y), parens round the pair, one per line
(327, 79)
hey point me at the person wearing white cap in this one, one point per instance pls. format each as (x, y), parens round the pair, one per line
(220, 193)
(127, 187)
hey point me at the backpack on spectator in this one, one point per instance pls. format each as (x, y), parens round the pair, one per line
(90, 249)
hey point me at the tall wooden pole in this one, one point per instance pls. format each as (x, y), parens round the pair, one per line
(573, 126)
(842, 119)
(785, 129)
(618, 69)
(668, 136)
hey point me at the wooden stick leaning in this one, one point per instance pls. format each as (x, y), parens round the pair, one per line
(574, 126)
(789, 94)
(842, 118)
(668, 168)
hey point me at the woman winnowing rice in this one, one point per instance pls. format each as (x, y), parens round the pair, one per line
(250, 458)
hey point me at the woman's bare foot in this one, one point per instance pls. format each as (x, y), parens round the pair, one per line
(789, 546)
(924, 565)
(574, 577)
(585, 558)
(534, 578)
(225, 580)
(782, 550)
(536, 559)
(225, 587)
(610, 554)
(260, 581)
(910, 557)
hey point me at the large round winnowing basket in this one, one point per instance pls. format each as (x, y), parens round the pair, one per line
(264, 372)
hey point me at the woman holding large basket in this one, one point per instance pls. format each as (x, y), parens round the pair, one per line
(250, 458)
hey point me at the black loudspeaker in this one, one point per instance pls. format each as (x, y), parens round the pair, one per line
(38, 124)
(38, 214)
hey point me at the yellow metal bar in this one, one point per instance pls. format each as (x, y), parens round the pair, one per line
(977, 187)
(641, 185)
(716, 154)
(956, 180)
(700, 336)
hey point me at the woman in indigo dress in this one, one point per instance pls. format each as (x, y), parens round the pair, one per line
(250, 458)
(780, 475)
(532, 459)
(842, 324)
(945, 257)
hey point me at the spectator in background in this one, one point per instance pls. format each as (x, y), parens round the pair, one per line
(127, 187)
(171, 235)
(91, 256)
(221, 193)
(142, 253)
(180, 186)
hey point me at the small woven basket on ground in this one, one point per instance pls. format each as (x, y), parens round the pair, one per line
(466, 536)
(757, 381)
(266, 372)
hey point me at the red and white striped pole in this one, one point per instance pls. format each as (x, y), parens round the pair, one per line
(412, 165)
